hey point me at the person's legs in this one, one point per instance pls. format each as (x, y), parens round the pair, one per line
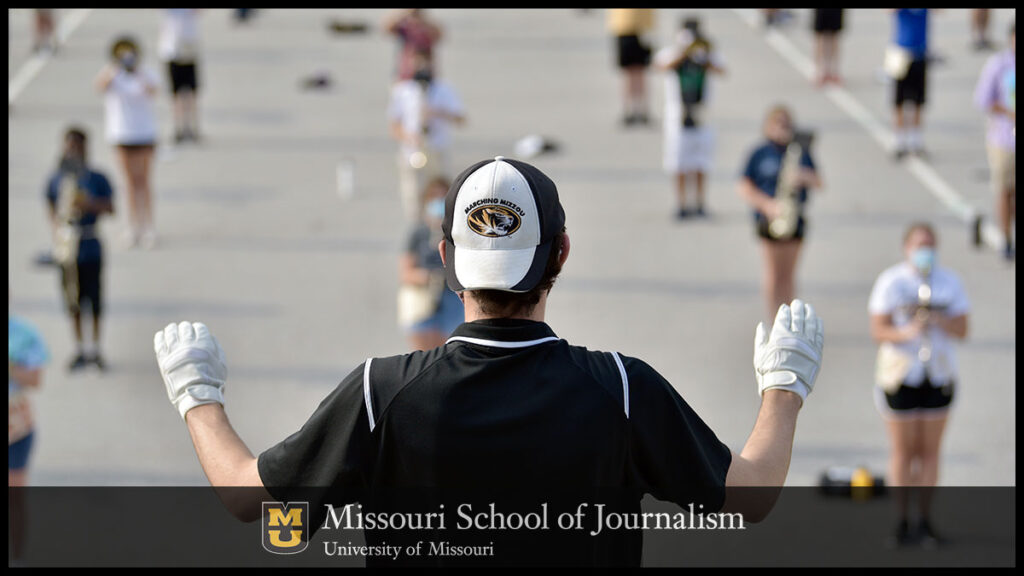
(144, 165)
(125, 158)
(820, 59)
(903, 442)
(832, 57)
(931, 441)
(180, 116)
(785, 277)
(899, 122)
(190, 113)
(699, 177)
(780, 265)
(979, 28)
(636, 94)
(681, 194)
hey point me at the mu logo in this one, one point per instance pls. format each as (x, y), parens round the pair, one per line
(285, 527)
(493, 221)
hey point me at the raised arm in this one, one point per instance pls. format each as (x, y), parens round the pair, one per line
(786, 364)
(194, 372)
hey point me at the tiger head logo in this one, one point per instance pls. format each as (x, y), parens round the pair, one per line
(493, 221)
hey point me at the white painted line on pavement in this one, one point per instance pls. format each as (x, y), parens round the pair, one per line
(842, 98)
(35, 63)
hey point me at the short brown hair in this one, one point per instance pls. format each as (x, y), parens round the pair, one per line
(504, 304)
(914, 227)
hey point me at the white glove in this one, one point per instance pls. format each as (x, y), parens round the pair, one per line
(192, 365)
(790, 357)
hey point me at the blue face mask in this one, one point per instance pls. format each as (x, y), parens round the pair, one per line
(923, 259)
(435, 209)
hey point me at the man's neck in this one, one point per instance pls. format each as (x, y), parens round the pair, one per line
(473, 312)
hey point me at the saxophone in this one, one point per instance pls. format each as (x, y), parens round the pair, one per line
(67, 236)
(787, 193)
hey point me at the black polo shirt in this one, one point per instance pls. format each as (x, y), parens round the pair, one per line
(507, 408)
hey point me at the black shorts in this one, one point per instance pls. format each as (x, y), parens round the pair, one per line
(915, 400)
(183, 76)
(88, 276)
(912, 87)
(632, 52)
(762, 230)
(828, 20)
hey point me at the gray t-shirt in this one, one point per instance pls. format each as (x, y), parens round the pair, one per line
(422, 244)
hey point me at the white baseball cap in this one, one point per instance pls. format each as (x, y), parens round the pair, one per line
(501, 219)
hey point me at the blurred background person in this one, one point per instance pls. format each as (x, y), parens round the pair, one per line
(979, 29)
(77, 196)
(26, 357)
(44, 31)
(131, 126)
(416, 34)
(918, 309)
(427, 309)
(688, 65)
(179, 48)
(909, 47)
(828, 23)
(628, 26)
(775, 182)
(422, 112)
(996, 94)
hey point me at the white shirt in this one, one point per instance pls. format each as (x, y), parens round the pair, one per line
(179, 35)
(406, 105)
(130, 111)
(895, 292)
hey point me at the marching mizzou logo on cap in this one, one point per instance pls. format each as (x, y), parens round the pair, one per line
(285, 527)
(493, 221)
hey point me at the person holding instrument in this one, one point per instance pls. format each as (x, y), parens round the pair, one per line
(129, 99)
(775, 182)
(688, 65)
(918, 309)
(77, 196)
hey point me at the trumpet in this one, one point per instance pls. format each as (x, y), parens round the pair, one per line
(787, 193)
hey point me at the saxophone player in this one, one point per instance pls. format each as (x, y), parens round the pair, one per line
(775, 182)
(422, 112)
(77, 196)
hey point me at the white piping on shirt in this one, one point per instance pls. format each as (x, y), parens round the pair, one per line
(625, 382)
(366, 393)
(499, 344)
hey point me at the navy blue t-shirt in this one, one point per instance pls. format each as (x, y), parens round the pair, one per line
(95, 185)
(764, 166)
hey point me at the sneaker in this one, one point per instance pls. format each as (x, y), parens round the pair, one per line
(1008, 253)
(700, 212)
(78, 362)
(921, 153)
(148, 239)
(98, 362)
(900, 154)
(130, 238)
(927, 537)
(682, 214)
